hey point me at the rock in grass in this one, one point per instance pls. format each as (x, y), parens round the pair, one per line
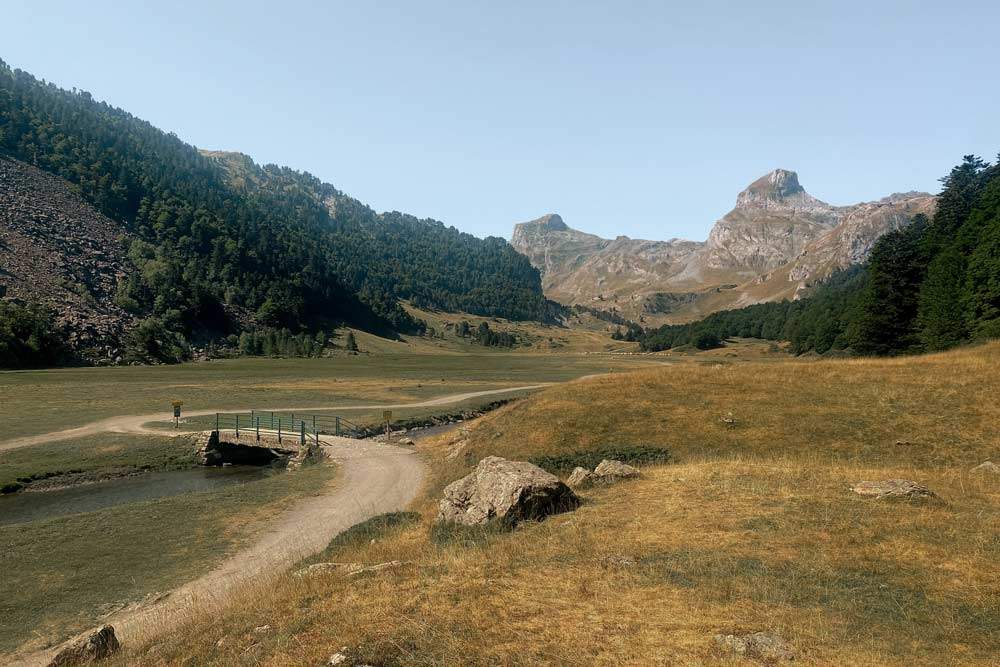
(580, 478)
(98, 645)
(346, 569)
(987, 467)
(506, 491)
(328, 568)
(893, 489)
(758, 645)
(606, 472)
(609, 472)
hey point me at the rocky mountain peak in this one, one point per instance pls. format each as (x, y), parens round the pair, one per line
(550, 222)
(779, 189)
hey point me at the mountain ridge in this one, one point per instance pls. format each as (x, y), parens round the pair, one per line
(775, 242)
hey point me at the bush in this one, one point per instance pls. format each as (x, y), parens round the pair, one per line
(707, 340)
(29, 337)
(631, 454)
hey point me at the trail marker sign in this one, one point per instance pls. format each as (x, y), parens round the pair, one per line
(387, 418)
(177, 412)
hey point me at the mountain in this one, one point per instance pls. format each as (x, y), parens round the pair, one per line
(214, 245)
(776, 242)
(930, 283)
(578, 268)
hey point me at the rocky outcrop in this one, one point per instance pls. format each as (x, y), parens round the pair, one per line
(58, 250)
(775, 243)
(607, 472)
(580, 478)
(90, 648)
(893, 489)
(504, 491)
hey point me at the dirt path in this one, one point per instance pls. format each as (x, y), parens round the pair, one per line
(373, 479)
(136, 423)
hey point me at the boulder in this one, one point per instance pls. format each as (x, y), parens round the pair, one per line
(987, 467)
(758, 645)
(893, 489)
(98, 645)
(609, 472)
(580, 478)
(506, 491)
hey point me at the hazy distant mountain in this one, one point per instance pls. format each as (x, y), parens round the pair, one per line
(775, 242)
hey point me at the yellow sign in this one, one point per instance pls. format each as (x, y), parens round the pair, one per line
(386, 415)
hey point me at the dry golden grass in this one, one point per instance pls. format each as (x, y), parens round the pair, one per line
(753, 528)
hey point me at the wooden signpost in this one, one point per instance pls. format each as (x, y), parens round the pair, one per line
(387, 418)
(177, 412)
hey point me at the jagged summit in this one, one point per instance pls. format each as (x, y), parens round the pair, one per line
(779, 190)
(777, 184)
(550, 222)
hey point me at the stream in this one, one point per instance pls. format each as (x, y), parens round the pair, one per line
(35, 506)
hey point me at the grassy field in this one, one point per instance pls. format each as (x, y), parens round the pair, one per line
(94, 456)
(35, 402)
(59, 574)
(751, 527)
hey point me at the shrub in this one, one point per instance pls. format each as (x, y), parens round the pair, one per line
(631, 454)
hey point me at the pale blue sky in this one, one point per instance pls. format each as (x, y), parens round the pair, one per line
(636, 118)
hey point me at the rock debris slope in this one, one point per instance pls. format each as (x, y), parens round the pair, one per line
(57, 250)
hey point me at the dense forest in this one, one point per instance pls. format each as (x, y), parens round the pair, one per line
(28, 337)
(929, 286)
(215, 255)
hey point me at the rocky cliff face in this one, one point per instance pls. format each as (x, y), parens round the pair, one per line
(776, 241)
(579, 268)
(57, 250)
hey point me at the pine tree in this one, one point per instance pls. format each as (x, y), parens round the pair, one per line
(941, 316)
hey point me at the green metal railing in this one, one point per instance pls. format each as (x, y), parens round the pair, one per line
(286, 424)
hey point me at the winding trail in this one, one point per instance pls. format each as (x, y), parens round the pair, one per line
(372, 479)
(137, 423)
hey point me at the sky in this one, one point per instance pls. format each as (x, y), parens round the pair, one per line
(642, 119)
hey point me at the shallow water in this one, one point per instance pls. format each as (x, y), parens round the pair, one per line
(27, 506)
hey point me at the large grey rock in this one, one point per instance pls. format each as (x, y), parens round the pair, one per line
(98, 645)
(893, 489)
(609, 472)
(507, 491)
(759, 645)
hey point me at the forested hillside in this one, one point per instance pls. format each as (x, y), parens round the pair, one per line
(929, 286)
(212, 256)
